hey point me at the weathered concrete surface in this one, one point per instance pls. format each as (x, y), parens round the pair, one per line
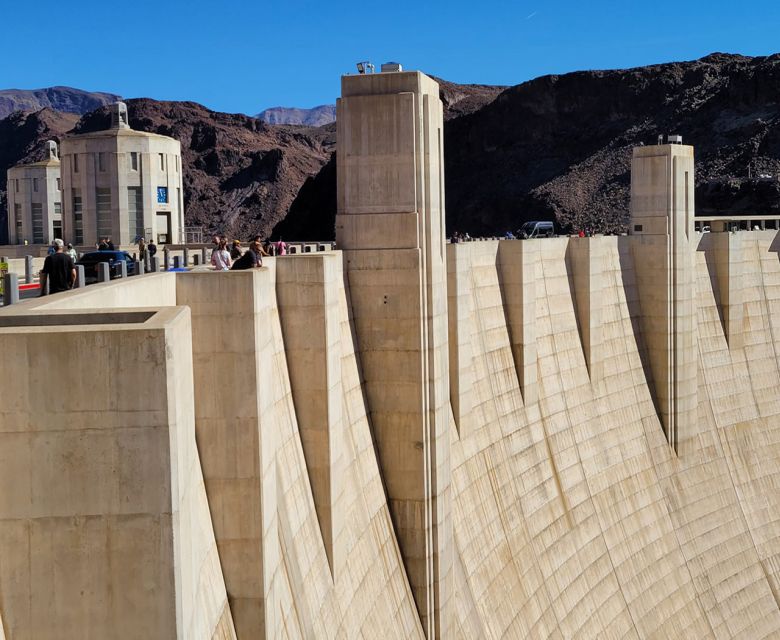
(104, 522)
(584, 444)
(572, 516)
(390, 225)
(662, 244)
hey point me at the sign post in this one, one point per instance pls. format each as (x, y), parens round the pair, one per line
(3, 271)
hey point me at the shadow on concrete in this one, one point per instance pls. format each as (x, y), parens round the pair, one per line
(706, 246)
(635, 313)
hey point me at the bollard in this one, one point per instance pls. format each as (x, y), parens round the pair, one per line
(10, 289)
(176, 263)
(79, 277)
(155, 264)
(196, 259)
(28, 269)
(203, 256)
(138, 268)
(122, 269)
(167, 259)
(103, 272)
(186, 257)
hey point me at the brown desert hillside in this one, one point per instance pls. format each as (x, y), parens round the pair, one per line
(556, 147)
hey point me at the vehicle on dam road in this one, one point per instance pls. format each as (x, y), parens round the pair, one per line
(91, 260)
(536, 229)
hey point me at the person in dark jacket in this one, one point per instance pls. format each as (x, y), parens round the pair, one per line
(58, 270)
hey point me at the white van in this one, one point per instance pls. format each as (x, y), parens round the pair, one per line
(536, 229)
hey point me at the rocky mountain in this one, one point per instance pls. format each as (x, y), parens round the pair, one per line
(463, 99)
(557, 147)
(560, 146)
(315, 117)
(22, 135)
(65, 99)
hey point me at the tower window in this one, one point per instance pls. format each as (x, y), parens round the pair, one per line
(134, 160)
(162, 161)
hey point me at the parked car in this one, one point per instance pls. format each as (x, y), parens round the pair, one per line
(536, 229)
(91, 260)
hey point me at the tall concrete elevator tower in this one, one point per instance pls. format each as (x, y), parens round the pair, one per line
(390, 225)
(662, 244)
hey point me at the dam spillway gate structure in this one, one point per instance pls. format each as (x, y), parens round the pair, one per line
(553, 438)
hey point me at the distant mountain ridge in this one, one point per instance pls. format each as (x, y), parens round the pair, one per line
(63, 99)
(314, 117)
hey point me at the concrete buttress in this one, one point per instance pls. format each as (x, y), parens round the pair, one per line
(661, 230)
(390, 226)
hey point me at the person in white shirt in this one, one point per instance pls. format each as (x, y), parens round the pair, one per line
(220, 257)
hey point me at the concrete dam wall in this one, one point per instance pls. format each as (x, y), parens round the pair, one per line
(548, 438)
(571, 516)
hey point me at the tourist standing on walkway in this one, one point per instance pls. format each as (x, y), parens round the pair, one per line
(281, 248)
(72, 253)
(142, 250)
(220, 257)
(58, 270)
(235, 250)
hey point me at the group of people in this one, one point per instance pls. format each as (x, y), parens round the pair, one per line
(59, 268)
(69, 250)
(457, 236)
(146, 251)
(236, 259)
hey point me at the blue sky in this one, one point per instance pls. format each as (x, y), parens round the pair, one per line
(245, 56)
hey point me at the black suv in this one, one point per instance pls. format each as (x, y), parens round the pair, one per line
(90, 263)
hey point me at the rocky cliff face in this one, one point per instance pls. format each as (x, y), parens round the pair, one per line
(65, 99)
(560, 146)
(315, 117)
(22, 136)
